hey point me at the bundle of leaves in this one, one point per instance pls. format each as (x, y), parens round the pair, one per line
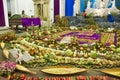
(15, 16)
(6, 37)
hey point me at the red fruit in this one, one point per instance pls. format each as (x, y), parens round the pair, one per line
(29, 78)
(11, 77)
(57, 78)
(54, 79)
(63, 78)
(60, 78)
(45, 78)
(77, 77)
(51, 78)
(35, 78)
(22, 77)
(67, 78)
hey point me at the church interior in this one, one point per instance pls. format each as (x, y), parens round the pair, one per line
(59, 39)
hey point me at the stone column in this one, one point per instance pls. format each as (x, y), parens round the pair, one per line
(45, 11)
(51, 11)
(35, 10)
(62, 8)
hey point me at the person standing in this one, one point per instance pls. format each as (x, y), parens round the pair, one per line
(23, 15)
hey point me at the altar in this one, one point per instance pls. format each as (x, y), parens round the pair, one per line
(101, 8)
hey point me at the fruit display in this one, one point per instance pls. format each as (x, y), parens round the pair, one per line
(86, 59)
(112, 71)
(63, 71)
(54, 46)
(79, 77)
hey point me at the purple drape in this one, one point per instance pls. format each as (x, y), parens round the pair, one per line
(2, 18)
(30, 22)
(56, 7)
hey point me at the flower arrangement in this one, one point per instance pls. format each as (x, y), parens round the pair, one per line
(6, 68)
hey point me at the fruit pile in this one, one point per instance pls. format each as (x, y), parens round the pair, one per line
(84, 59)
(24, 77)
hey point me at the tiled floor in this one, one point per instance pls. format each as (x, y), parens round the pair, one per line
(8, 29)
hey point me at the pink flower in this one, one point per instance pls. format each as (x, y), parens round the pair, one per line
(7, 66)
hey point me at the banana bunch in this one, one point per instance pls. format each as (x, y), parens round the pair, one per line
(18, 67)
(4, 50)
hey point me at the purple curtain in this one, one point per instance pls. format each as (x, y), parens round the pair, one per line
(2, 18)
(56, 7)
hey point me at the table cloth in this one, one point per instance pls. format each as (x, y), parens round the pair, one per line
(30, 22)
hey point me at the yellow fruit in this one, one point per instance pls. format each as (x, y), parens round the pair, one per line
(6, 53)
(22, 68)
(2, 44)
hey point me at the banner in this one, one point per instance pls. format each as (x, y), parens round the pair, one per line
(117, 3)
(56, 7)
(82, 7)
(109, 4)
(2, 17)
(69, 7)
(92, 4)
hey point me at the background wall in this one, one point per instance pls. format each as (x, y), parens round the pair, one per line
(27, 6)
(18, 5)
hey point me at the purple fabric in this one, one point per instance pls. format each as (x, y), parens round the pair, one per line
(30, 22)
(84, 35)
(2, 18)
(56, 7)
(115, 41)
(78, 35)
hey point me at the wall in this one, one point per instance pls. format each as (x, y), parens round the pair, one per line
(5, 13)
(8, 5)
(18, 5)
(14, 7)
(27, 6)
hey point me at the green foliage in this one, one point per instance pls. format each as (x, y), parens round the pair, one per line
(60, 22)
(68, 52)
(90, 20)
(15, 16)
(113, 13)
(93, 55)
(104, 38)
(45, 19)
(6, 37)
